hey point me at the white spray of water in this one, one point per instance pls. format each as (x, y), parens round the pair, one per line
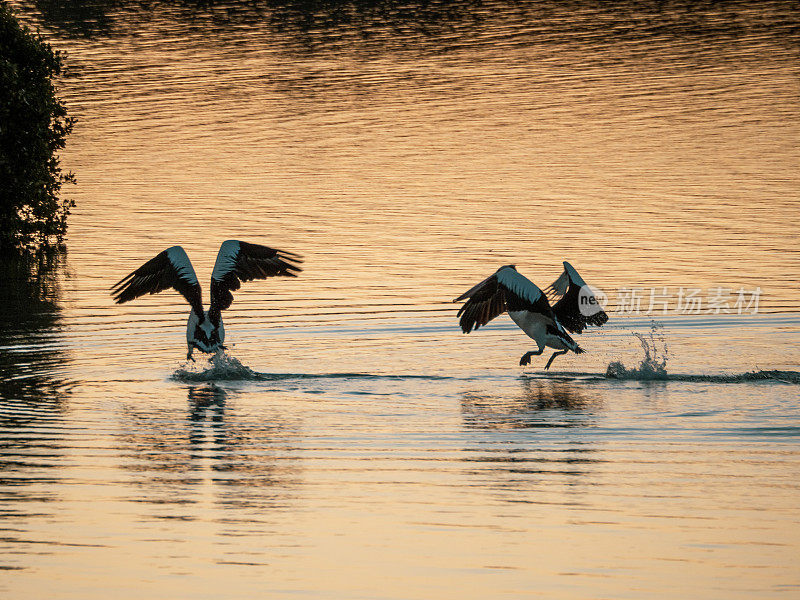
(219, 367)
(654, 363)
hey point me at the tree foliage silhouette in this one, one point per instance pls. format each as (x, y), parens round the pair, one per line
(34, 126)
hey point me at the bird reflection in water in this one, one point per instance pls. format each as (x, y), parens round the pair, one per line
(207, 403)
(207, 419)
(541, 403)
(519, 447)
(244, 459)
(211, 450)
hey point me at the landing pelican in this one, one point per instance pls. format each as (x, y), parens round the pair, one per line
(527, 305)
(236, 262)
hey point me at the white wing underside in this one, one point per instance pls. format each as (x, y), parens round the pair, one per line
(519, 284)
(180, 260)
(560, 286)
(226, 259)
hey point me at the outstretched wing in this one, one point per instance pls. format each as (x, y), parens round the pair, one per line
(505, 290)
(577, 306)
(239, 261)
(486, 301)
(169, 269)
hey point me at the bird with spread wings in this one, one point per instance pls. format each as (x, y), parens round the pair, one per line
(236, 262)
(576, 307)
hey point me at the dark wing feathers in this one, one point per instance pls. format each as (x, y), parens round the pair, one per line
(169, 269)
(506, 290)
(486, 301)
(240, 261)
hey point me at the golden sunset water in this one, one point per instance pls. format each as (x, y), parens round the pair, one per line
(355, 444)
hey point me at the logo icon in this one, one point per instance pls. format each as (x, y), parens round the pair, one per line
(591, 300)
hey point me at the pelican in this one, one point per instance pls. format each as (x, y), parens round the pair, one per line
(236, 262)
(508, 291)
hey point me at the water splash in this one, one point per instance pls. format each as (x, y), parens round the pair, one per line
(654, 364)
(219, 367)
(224, 367)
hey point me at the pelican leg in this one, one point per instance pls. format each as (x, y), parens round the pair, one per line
(526, 358)
(549, 362)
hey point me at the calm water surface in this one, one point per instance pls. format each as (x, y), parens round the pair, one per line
(355, 444)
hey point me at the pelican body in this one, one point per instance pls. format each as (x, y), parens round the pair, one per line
(509, 291)
(202, 334)
(236, 262)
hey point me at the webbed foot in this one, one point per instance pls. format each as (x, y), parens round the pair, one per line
(526, 358)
